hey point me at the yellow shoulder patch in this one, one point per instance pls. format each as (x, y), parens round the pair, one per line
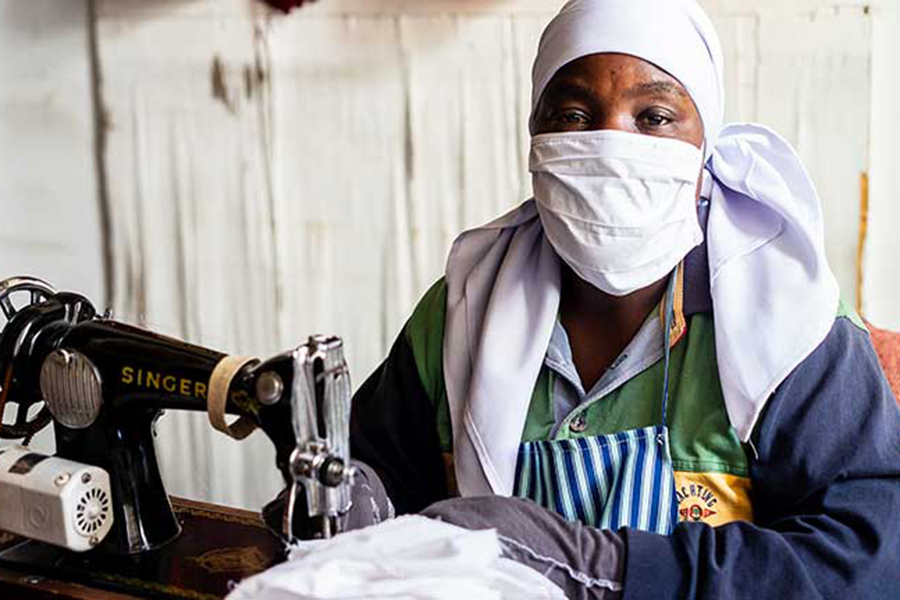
(712, 498)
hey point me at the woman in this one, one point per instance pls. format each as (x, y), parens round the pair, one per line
(650, 356)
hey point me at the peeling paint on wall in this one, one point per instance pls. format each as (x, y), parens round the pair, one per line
(219, 85)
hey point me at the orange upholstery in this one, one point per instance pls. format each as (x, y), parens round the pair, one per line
(887, 345)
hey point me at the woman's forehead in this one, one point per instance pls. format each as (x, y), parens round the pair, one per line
(618, 74)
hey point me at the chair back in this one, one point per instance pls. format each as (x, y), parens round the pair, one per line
(887, 346)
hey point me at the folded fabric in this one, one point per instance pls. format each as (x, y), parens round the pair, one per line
(408, 558)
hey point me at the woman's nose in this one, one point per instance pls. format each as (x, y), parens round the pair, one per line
(618, 120)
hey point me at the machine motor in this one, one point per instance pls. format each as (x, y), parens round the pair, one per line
(54, 500)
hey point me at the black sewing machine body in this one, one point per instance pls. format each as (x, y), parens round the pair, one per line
(105, 383)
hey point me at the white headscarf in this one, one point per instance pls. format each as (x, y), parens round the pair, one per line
(774, 296)
(674, 35)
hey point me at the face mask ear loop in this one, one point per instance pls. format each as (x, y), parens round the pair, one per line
(705, 180)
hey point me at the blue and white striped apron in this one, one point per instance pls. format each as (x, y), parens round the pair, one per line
(624, 479)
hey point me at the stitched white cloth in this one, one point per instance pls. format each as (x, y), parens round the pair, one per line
(774, 295)
(408, 558)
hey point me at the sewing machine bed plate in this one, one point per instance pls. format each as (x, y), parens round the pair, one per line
(217, 546)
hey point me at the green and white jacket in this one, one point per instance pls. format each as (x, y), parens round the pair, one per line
(815, 490)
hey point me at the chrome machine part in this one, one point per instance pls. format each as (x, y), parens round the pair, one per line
(38, 290)
(72, 388)
(320, 464)
(269, 388)
(19, 421)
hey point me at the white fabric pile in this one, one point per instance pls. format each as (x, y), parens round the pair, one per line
(408, 558)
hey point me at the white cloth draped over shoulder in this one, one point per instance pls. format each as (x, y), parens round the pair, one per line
(765, 241)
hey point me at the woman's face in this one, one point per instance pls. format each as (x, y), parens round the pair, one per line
(618, 91)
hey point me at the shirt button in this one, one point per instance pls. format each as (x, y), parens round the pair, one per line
(578, 424)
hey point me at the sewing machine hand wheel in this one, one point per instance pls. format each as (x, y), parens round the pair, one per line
(37, 289)
(21, 425)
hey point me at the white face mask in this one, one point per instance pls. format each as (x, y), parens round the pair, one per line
(619, 208)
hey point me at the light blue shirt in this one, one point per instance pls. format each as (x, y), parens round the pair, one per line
(644, 350)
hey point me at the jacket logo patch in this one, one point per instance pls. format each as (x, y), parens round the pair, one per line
(712, 498)
(695, 512)
(695, 502)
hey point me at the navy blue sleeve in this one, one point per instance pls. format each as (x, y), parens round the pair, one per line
(826, 496)
(393, 431)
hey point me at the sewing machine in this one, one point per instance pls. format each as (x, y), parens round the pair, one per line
(102, 385)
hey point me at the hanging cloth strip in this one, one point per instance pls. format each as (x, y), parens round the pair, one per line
(625, 479)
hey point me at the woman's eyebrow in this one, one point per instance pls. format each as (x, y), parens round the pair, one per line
(655, 88)
(570, 89)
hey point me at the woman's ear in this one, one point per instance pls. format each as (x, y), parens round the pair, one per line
(699, 185)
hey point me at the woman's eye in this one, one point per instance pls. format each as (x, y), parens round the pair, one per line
(655, 119)
(571, 118)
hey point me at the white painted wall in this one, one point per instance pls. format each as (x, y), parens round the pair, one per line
(49, 219)
(271, 177)
(49, 223)
(882, 265)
